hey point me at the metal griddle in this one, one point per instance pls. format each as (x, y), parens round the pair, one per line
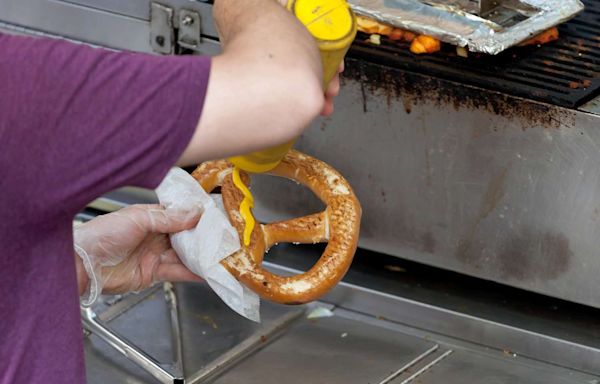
(563, 73)
(482, 26)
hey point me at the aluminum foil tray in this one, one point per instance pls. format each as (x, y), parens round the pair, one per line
(481, 28)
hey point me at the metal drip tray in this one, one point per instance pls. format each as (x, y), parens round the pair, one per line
(475, 367)
(330, 350)
(371, 337)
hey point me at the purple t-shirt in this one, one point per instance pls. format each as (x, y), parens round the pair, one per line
(75, 123)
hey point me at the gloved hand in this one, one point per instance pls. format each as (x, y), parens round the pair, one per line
(129, 250)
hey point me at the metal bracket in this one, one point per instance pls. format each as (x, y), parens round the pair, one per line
(486, 6)
(190, 28)
(162, 31)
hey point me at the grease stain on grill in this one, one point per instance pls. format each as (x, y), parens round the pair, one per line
(363, 92)
(406, 100)
(539, 256)
(421, 241)
(428, 242)
(494, 194)
(524, 255)
(412, 89)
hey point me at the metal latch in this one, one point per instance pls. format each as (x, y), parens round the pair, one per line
(189, 29)
(169, 34)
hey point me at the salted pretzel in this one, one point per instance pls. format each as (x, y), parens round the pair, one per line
(338, 225)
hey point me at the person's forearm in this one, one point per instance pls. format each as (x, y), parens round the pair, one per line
(266, 26)
(264, 89)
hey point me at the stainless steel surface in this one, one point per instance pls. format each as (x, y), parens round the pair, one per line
(511, 23)
(176, 335)
(329, 350)
(77, 22)
(350, 347)
(242, 350)
(427, 367)
(150, 365)
(124, 347)
(114, 24)
(93, 325)
(472, 367)
(213, 337)
(581, 355)
(410, 364)
(449, 175)
(593, 106)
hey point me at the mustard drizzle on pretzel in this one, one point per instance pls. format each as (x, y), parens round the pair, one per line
(338, 225)
(245, 206)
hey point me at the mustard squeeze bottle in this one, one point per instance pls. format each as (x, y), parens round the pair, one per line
(333, 25)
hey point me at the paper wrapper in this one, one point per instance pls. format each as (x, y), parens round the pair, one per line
(201, 249)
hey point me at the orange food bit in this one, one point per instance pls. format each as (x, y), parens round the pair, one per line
(409, 36)
(420, 44)
(396, 34)
(367, 25)
(425, 44)
(384, 30)
(543, 38)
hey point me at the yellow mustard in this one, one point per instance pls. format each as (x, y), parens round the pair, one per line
(245, 206)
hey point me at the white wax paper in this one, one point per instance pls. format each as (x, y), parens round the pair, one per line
(201, 249)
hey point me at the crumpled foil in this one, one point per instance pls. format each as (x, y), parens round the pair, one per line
(455, 26)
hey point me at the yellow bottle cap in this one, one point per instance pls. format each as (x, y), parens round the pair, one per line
(262, 161)
(327, 20)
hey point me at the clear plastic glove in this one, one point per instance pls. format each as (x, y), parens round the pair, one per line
(129, 250)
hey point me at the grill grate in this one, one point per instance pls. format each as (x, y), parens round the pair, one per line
(564, 73)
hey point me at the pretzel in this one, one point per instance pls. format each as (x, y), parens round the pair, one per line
(338, 225)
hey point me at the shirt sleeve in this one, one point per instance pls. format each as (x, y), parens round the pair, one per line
(81, 121)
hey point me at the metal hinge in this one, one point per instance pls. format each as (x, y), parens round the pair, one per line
(170, 34)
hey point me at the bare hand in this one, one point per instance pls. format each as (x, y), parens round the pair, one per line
(333, 90)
